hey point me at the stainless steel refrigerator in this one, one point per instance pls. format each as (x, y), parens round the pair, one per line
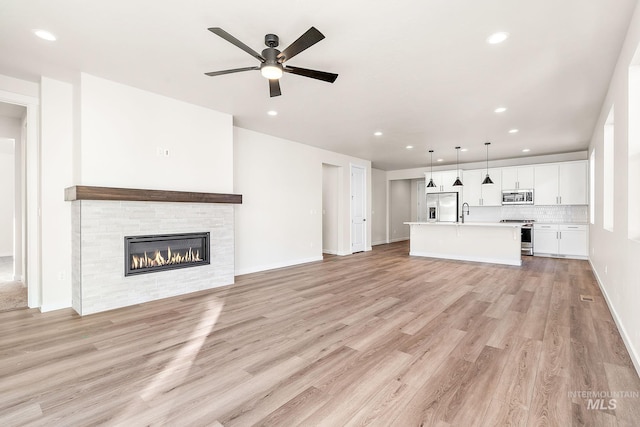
(442, 207)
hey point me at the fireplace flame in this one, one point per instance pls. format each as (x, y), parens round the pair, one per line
(157, 259)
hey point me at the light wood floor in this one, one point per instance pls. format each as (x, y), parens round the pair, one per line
(377, 338)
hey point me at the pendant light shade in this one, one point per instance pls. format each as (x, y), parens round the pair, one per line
(431, 183)
(457, 182)
(487, 179)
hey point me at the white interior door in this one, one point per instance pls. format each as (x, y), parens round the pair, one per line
(358, 209)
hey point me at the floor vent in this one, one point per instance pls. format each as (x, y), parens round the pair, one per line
(587, 298)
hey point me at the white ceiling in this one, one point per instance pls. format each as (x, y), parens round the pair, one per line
(420, 72)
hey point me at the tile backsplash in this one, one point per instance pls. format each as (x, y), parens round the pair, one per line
(552, 214)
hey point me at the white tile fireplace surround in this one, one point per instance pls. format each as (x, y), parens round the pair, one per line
(99, 228)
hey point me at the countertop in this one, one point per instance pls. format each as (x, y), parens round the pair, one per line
(468, 224)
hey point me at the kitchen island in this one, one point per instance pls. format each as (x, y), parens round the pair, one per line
(496, 243)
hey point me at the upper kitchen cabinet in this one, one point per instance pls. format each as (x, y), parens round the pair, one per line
(477, 194)
(561, 183)
(520, 177)
(443, 180)
(472, 192)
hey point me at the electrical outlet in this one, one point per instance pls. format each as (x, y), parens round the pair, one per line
(606, 270)
(61, 275)
(166, 152)
(159, 151)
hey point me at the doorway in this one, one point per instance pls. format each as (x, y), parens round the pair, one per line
(13, 292)
(330, 179)
(358, 209)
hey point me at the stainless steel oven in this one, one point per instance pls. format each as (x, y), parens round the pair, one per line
(526, 235)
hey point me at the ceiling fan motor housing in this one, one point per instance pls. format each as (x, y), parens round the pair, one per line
(271, 57)
(271, 40)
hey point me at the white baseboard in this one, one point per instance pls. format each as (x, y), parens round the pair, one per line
(378, 242)
(399, 239)
(330, 252)
(560, 256)
(623, 332)
(265, 267)
(517, 263)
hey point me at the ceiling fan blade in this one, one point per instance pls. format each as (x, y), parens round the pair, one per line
(234, 41)
(305, 41)
(235, 70)
(274, 87)
(314, 74)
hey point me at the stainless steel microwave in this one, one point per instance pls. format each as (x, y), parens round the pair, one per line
(517, 197)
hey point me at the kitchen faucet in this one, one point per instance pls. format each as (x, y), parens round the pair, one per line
(463, 205)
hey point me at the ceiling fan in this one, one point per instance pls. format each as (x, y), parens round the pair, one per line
(273, 61)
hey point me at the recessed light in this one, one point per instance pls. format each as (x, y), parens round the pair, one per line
(440, 160)
(45, 35)
(409, 147)
(500, 110)
(464, 149)
(272, 113)
(513, 131)
(496, 38)
(378, 133)
(526, 150)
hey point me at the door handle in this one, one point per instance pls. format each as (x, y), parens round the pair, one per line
(364, 219)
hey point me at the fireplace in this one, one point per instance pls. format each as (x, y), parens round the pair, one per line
(152, 253)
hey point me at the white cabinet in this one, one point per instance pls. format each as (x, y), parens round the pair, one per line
(573, 240)
(520, 177)
(573, 183)
(545, 239)
(477, 194)
(561, 184)
(443, 180)
(566, 240)
(472, 192)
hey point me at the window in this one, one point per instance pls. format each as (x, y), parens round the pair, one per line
(592, 186)
(633, 171)
(607, 181)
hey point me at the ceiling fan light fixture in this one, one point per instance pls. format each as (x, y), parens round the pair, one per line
(271, 72)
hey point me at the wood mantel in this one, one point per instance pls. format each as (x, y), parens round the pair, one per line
(81, 192)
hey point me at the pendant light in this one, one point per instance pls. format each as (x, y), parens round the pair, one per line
(431, 184)
(457, 182)
(487, 179)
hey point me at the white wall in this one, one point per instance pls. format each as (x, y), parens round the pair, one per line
(56, 169)
(613, 255)
(378, 207)
(7, 196)
(279, 222)
(418, 173)
(123, 129)
(399, 209)
(330, 199)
